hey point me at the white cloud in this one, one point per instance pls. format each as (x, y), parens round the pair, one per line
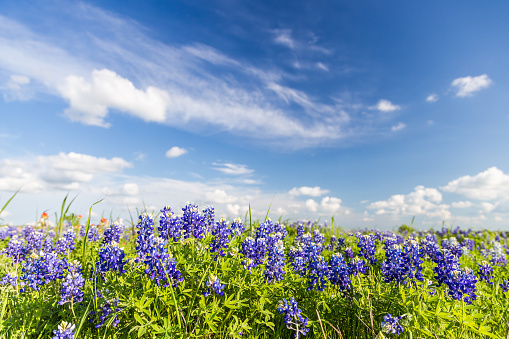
(430, 122)
(432, 98)
(103, 72)
(284, 37)
(491, 184)
(63, 171)
(385, 106)
(311, 205)
(467, 86)
(219, 196)
(91, 101)
(421, 201)
(305, 190)
(461, 204)
(398, 127)
(175, 152)
(131, 189)
(322, 66)
(488, 207)
(328, 205)
(233, 169)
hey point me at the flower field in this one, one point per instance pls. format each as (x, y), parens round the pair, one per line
(184, 273)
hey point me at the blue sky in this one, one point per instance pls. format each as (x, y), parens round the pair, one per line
(371, 112)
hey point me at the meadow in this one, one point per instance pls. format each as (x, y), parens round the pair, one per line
(183, 273)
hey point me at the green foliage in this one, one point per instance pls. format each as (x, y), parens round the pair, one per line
(249, 305)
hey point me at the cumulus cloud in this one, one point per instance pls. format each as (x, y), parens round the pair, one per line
(432, 98)
(385, 106)
(233, 169)
(311, 205)
(421, 201)
(90, 101)
(328, 205)
(491, 184)
(467, 86)
(175, 152)
(305, 190)
(461, 204)
(398, 127)
(63, 171)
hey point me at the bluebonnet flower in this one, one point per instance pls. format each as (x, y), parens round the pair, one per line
(468, 243)
(332, 243)
(214, 284)
(34, 239)
(339, 273)
(238, 227)
(93, 233)
(402, 263)
(40, 270)
(300, 233)
(486, 272)
(112, 233)
(145, 234)
(48, 246)
(318, 238)
(393, 268)
(349, 253)
(357, 266)
(66, 243)
(460, 282)
(222, 237)
(192, 222)
(317, 273)
(160, 264)
(276, 259)
(111, 259)
(71, 287)
(64, 331)
(16, 250)
(453, 246)
(505, 286)
(109, 307)
(170, 225)
(293, 318)
(249, 250)
(391, 325)
(10, 278)
(8, 232)
(208, 219)
(367, 247)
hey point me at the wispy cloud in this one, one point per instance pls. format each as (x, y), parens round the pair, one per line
(284, 37)
(432, 98)
(175, 152)
(398, 127)
(467, 86)
(103, 72)
(233, 169)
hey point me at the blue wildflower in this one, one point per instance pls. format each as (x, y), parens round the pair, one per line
(486, 272)
(170, 225)
(214, 284)
(293, 318)
(64, 331)
(73, 285)
(192, 222)
(276, 259)
(391, 325)
(339, 273)
(113, 233)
